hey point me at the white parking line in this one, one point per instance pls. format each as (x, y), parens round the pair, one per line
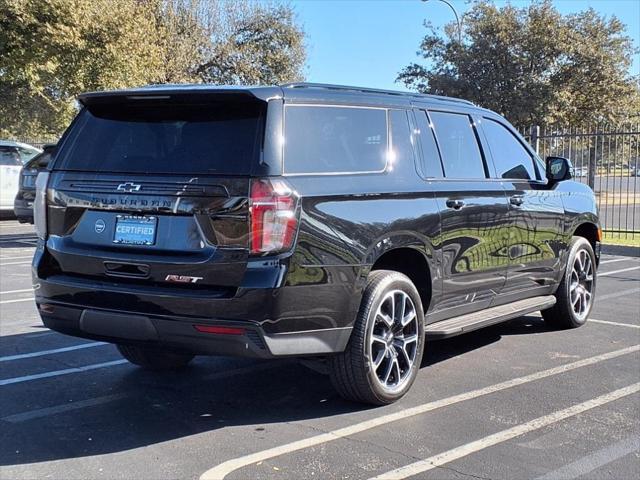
(619, 324)
(15, 263)
(617, 294)
(222, 470)
(7, 292)
(28, 299)
(500, 437)
(618, 271)
(16, 258)
(591, 462)
(40, 353)
(56, 373)
(8, 251)
(623, 259)
(65, 407)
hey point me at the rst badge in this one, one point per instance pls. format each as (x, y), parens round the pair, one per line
(182, 279)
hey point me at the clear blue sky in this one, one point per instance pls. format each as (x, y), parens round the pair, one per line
(367, 42)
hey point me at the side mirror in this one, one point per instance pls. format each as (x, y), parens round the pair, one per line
(558, 169)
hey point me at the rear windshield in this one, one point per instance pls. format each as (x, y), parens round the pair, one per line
(175, 139)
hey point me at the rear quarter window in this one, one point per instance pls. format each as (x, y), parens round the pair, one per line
(328, 139)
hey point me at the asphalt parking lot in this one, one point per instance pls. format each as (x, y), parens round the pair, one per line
(517, 400)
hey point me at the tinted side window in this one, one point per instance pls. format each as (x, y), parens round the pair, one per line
(334, 139)
(431, 164)
(459, 147)
(510, 158)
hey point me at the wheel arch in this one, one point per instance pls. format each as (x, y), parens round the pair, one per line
(411, 262)
(592, 232)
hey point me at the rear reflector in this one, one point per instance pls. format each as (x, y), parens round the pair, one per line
(45, 308)
(219, 330)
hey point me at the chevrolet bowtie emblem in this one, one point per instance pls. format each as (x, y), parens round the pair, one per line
(128, 187)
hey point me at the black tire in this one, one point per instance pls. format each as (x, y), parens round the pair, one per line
(153, 358)
(352, 372)
(563, 314)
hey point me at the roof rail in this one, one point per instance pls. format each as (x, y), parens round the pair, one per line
(348, 88)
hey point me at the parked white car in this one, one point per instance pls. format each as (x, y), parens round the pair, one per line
(13, 155)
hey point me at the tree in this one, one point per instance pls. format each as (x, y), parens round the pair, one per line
(232, 42)
(52, 50)
(256, 44)
(532, 64)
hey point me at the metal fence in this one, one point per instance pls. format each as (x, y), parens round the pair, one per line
(36, 142)
(608, 160)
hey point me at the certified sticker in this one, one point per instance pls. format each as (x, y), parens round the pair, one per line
(100, 226)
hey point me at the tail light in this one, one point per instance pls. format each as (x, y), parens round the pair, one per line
(40, 205)
(27, 177)
(274, 220)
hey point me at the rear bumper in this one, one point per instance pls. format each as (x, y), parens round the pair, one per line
(303, 320)
(180, 334)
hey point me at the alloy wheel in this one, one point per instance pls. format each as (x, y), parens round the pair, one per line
(581, 285)
(393, 341)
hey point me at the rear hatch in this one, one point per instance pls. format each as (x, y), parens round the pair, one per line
(152, 190)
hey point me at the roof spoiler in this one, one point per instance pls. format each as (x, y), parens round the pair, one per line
(180, 94)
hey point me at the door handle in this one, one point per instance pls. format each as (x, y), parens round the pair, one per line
(455, 204)
(516, 200)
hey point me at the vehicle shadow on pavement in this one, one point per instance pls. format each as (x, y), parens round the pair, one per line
(17, 240)
(441, 350)
(145, 408)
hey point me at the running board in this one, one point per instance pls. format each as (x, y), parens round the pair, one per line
(490, 316)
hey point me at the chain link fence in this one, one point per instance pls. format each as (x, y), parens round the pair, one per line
(608, 160)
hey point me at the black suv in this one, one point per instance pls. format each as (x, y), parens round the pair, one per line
(304, 220)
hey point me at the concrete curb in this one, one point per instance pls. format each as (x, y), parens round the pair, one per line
(624, 250)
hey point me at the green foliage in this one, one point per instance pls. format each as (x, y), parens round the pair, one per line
(52, 50)
(532, 64)
(257, 43)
